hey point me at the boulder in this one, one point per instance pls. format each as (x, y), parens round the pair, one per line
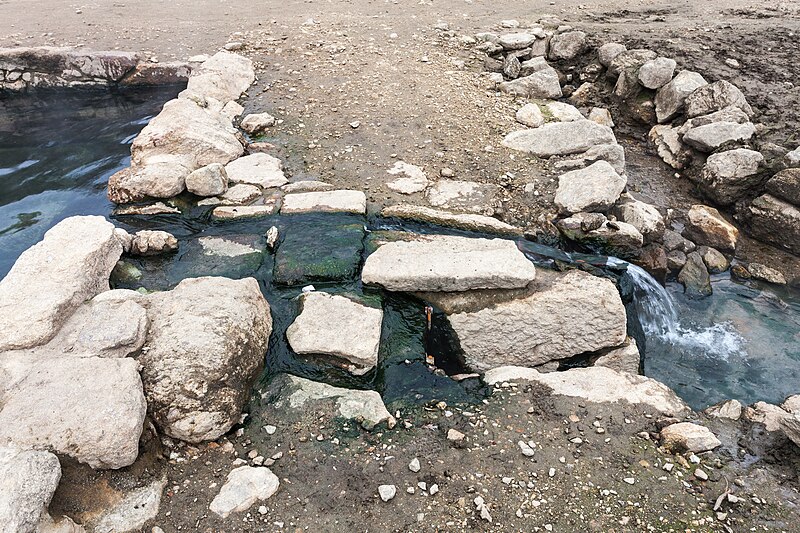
(210, 180)
(307, 186)
(668, 146)
(464, 221)
(609, 51)
(595, 231)
(530, 115)
(594, 188)
(363, 406)
(772, 220)
(555, 317)
(29, 480)
(642, 216)
(694, 276)
(150, 242)
(560, 138)
(162, 177)
(613, 154)
(258, 169)
(336, 326)
(626, 358)
(670, 98)
(653, 258)
(561, 112)
(223, 77)
(786, 185)
(602, 116)
(705, 225)
(629, 60)
(688, 437)
(712, 136)
(597, 384)
(675, 260)
(656, 73)
(567, 45)
(325, 201)
(728, 176)
(257, 123)
(243, 487)
(730, 410)
(771, 416)
(715, 96)
(89, 408)
(714, 260)
(765, 273)
(69, 266)
(726, 114)
(675, 241)
(541, 84)
(270, 207)
(207, 342)
(516, 41)
(239, 194)
(448, 263)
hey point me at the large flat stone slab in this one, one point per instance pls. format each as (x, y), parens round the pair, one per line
(325, 202)
(560, 138)
(465, 221)
(448, 263)
(259, 169)
(230, 256)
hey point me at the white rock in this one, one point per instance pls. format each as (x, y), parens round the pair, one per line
(256, 123)
(668, 145)
(709, 137)
(259, 169)
(607, 52)
(223, 76)
(602, 116)
(462, 195)
(594, 188)
(29, 480)
(244, 211)
(562, 111)
(210, 180)
(688, 437)
(560, 138)
(543, 83)
(243, 487)
(716, 96)
(414, 465)
(342, 201)
(516, 41)
(567, 45)
(415, 179)
(728, 176)
(387, 492)
(241, 194)
(307, 186)
(656, 73)
(731, 409)
(530, 115)
(670, 98)
(231, 110)
(642, 216)
(623, 359)
(150, 242)
(133, 511)
(465, 221)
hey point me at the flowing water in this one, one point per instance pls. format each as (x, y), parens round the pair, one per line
(56, 155)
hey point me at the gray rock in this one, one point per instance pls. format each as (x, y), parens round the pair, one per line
(667, 143)
(712, 136)
(792, 159)
(765, 273)
(307, 186)
(541, 84)
(630, 60)
(363, 406)
(243, 487)
(560, 138)
(156, 208)
(731, 410)
(594, 188)
(774, 221)
(688, 437)
(511, 67)
(594, 230)
(339, 327)
(786, 185)
(245, 211)
(29, 480)
(223, 77)
(694, 276)
(609, 51)
(210, 180)
(463, 195)
(675, 260)
(133, 511)
(597, 385)
(259, 169)
(613, 154)
(675, 241)
(728, 176)
(602, 116)
(534, 64)
(568, 45)
(516, 41)
(52, 278)
(206, 345)
(465, 221)
(325, 201)
(99, 401)
(530, 115)
(257, 123)
(561, 112)
(642, 216)
(448, 263)
(714, 260)
(716, 96)
(240, 194)
(705, 225)
(387, 492)
(150, 242)
(656, 73)
(727, 114)
(671, 97)
(626, 358)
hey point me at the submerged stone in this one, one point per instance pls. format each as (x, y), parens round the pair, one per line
(230, 256)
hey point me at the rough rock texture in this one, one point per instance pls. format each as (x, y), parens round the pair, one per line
(774, 221)
(716, 96)
(465, 221)
(363, 406)
(726, 114)
(731, 409)
(149, 242)
(460, 195)
(688, 437)
(224, 77)
(243, 487)
(613, 154)
(765, 273)
(325, 201)
(558, 316)
(714, 260)
(656, 73)
(668, 145)
(207, 342)
(413, 178)
(561, 112)
(256, 123)
(259, 169)
(705, 225)
(133, 511)
(210, 180)
(560, 138)
(339, 327)
(786, 185)
(568, 45)
(712, 136)
(29, 480)
(623, 359)
(642, 216)
(609, 51)
(530, 115)
(727, 176)
(245, 211)
(594, 188)
(448, 263)
(694, 276)
(52, 278)
(597, 385)
(625, 67)
(594, 230)
(516, 41)
(541, 84)
(89, 408)
(670, 98)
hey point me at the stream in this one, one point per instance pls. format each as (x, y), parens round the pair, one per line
(57, 153)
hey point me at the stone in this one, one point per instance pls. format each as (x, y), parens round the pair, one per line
(566, 46)
(688, 437)
(765, 273)
(712, 136)
(626, 358)
(231, 256)
(715, 262)
(158, 74)
(464, 221)
(307, 186)
(792, 159)
(343, 201)
(387, 492)
(656, 73)
(728, 176)
(628, 62)
(668, 146)
(259, 169)
(244, 211)
(541, 84)
(613, 154)
(772, 220)
(223, 76)
(642, 216)
(790, 425)
(765, 413)
(363, 406)
(560, 138)
(156, 208)
(792, 404)
(705, 225)
(231, 110)
(210, 180)
(561, 112)
(530, 115)
(785, 185)
(730, 410)
(597, 385)
(158, 179)
(69, 266)
(675, 241)
(516, 41)
(556, 317)
(243, 487)
(134, 510)
(414, 179)
(534, 64)
(594, 188)
(602, 116)
(511, 67)
(29, 480)
(716, 96)
(206, 346)
(339, 327)
(414, 465)
(726, 114)
(150, 242)
(463, 195)
(694, 276)
(609, 51)
(240, 194)
(675, 260)
(454, 435)
(448, 263)
(671, 97)
(99, 401)
(257, 123)
(615, 238)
